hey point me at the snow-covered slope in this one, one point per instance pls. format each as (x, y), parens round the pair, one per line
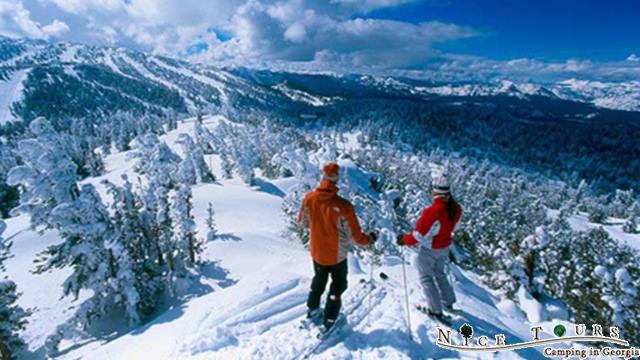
(128, 80)
(11, 92)
(253, 294)
(621, 96)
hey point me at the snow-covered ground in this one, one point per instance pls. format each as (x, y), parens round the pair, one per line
(11, 91)
(613, 226)
(254, 290)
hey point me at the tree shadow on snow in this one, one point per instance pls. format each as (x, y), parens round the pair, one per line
(114, 325)
(212, 270)
(470, 287)
(269, 188)
(227, 237)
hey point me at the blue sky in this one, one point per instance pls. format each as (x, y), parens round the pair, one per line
(451, 39)
(543, 29)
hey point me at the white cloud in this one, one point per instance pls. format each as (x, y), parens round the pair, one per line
(84, 6)
(296, 33)
(56, 28)
(261, 30)
(16, 21)
(300, 31)
(300, 35)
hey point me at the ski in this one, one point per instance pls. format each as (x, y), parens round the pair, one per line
(308, 322)
(324, 333)
(443, 318)
(453, 311)
(367, 288)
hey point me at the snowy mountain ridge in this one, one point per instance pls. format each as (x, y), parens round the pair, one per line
(200, 86)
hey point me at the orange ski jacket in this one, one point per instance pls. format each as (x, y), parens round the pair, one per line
(333, 224)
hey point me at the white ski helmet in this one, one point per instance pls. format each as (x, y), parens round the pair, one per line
(440, 184)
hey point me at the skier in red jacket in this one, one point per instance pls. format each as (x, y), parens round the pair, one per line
(433, 235)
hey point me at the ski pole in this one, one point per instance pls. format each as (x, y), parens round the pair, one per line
(371, 277)
(406, 292)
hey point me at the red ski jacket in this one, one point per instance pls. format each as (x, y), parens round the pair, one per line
(434, 228)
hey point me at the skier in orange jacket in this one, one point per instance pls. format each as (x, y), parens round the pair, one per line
(333, 225)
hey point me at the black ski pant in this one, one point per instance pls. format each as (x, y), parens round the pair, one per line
(338, 274)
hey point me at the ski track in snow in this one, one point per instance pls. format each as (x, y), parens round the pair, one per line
(200, 78)
(258, 289)
(140, 68)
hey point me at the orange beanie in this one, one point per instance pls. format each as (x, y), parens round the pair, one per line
(331, 171)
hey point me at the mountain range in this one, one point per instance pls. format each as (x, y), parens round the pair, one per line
(42, 78)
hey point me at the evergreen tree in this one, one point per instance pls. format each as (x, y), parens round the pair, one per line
(630, 225)
(155, 159)
(212, 231)
(204, 138)
(186, 245)
(4, 246)
(12, 316)
(597, 213)
(8, 194)
(47, 177)
(93, 249)
(195, 156)
(136, 248)
(225, 163)
(12, 320)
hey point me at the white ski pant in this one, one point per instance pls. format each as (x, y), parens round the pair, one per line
(436, 286)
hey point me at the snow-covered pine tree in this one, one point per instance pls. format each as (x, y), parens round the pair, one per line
(630, 225)
(4, 246)
(237, 146)
(12, 316)
(166, 209)
(597, 213)
(155, 159)
(12, 320)
(296, 162)
(328, 152)
(625, 296)
(93, 249)
(204, 138)
(185, 242)
(47, 176)
(622, 203)
(121, 131)
(577, 201)
(212, 230)
(162, 225)
(136, 248)
(82, 144)
(225, 164)
(8, 194)
(186, 173)
(244, 160)
(530, 258)
(195, 155)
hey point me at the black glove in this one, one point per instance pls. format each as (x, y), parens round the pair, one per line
(373, 237)
(399, 240)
